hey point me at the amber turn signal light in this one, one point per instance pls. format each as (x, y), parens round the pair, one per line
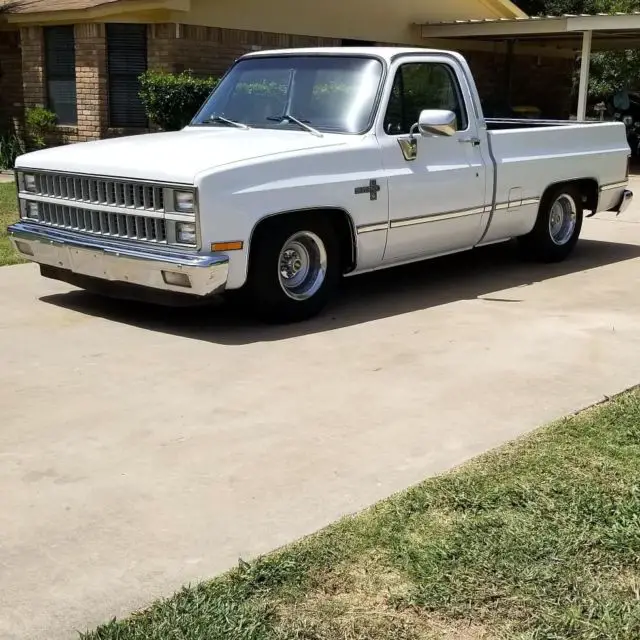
(227, 246)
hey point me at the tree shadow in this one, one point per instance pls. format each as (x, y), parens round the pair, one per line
(365, 298)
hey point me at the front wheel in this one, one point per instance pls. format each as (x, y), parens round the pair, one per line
(294, 268)
(558, 226)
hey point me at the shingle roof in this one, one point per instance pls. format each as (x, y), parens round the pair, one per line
(43, 6)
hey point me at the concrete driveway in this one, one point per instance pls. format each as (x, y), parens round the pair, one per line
(143, 448)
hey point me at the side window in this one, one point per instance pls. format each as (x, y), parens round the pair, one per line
(423, 85)
(60, 69)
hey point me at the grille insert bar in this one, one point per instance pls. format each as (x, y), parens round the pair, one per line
(113, 225)
(117, 193)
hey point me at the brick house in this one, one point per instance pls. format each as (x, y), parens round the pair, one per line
(82, 58)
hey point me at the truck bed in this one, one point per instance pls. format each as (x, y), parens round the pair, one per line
(500, 124)
(531, 155)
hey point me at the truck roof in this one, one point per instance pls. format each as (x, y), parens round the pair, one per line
(388, 53)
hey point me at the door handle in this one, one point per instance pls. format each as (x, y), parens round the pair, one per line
(474, 142)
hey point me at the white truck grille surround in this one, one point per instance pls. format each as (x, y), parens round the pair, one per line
(113, 208)
(106, 192)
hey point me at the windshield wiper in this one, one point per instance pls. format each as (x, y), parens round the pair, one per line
(301, 123)
(231, 123)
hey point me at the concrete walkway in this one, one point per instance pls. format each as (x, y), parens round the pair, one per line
(143, 448)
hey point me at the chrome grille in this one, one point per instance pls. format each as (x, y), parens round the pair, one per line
(115, 225)
(117, 193)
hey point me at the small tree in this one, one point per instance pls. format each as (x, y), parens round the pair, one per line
(171, 100)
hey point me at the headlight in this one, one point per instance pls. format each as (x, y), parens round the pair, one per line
(32, 210)
(186, 232)
(29, 182)
(183, 201)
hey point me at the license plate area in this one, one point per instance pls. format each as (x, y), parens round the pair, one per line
(88, 263)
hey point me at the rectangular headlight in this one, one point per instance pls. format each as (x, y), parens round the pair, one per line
(29, 181)
(183, 201)
(32, 210)
(186, 233)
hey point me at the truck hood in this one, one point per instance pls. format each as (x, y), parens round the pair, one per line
(173, 157)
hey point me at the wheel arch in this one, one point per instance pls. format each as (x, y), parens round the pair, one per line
(589, 188)
(341, 221)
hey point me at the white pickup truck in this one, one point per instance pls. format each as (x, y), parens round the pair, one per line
(306, 165)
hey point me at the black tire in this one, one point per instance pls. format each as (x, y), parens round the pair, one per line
(540, 244)
(265, 295)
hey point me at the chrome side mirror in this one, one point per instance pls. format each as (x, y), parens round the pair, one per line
(431, 122)
(437, 122)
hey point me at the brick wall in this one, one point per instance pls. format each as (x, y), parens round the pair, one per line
(210, 50)
(11, 96)
(91, 81)
(33, 81)
(542, 82)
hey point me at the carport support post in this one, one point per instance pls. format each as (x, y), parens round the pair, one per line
(585, 63)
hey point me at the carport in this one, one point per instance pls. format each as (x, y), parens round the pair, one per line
(562, 36)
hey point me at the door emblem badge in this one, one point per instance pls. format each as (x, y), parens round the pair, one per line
(372, 190)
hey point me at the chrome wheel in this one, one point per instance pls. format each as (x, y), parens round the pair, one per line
(302, 265)
(563, 219)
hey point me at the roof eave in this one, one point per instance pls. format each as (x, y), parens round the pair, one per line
(531, 26)
(492, 28)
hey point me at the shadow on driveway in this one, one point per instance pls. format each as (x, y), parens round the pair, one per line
(366, 298)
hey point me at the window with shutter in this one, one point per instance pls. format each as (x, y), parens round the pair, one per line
(60, 69)
(126, 60)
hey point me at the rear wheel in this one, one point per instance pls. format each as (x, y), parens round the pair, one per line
(558, 226)
(294, 268)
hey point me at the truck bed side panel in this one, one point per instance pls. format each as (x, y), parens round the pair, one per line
(530, 160)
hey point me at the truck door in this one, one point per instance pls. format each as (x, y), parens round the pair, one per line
(438, 198)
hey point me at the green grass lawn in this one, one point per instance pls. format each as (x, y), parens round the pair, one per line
(538, 540)
(8, 214)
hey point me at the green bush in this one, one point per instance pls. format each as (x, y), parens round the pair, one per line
(40, 125)
(10, 148)
(171, 100)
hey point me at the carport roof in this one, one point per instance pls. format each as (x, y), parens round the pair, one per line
(610, 31)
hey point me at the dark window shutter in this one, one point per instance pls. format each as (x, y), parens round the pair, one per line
(126, 60)
(60, 66)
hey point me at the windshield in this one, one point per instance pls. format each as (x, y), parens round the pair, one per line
(329, 93)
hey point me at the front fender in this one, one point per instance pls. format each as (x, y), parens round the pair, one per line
(235, 199)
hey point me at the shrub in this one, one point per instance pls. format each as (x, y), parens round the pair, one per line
(10, 148)
(40, 124)
(171, 100)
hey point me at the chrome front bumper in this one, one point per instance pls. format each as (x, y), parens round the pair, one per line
(625, 202)
(118, 261)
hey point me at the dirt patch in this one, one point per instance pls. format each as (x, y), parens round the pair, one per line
(356, 602)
